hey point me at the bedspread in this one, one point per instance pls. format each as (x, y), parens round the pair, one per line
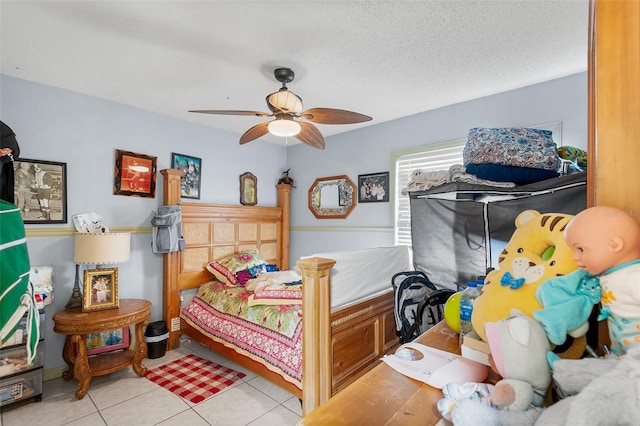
(271, 335)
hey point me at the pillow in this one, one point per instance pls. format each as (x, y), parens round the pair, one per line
(225, 269)
(257, 270)
(276, 295)
(243, 276)
(270, 267)
(273, 278)
(253, 272)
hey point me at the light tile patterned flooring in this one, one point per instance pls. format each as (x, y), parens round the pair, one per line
(122, 398)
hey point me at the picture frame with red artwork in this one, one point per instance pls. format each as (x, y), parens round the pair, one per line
(135, 174)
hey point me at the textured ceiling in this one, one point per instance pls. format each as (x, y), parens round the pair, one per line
(386, 59)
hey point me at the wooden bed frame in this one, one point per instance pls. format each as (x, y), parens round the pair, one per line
(338, 347)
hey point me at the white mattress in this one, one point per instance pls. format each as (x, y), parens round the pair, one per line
(361, 274)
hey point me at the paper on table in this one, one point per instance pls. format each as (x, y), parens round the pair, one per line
(433, 366)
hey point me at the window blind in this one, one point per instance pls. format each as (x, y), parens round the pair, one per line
(428, 158)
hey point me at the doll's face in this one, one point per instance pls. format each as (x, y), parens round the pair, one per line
(591, 250)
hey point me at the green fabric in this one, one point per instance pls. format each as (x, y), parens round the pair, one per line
(16, 293)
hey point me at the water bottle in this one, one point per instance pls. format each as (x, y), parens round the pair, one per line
(480, 283)
(467, 298)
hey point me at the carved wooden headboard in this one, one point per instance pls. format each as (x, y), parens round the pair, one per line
(212, 231)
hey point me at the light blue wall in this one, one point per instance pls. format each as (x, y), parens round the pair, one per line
(58, 125)
(368, 150)
(84, 132)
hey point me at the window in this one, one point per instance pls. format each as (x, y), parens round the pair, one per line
(427, 158)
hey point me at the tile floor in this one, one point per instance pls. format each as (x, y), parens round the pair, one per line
(123, 398)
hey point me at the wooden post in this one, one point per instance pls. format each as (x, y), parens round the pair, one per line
(171, 264)
(316, 338)
(614, 105)
(284, 202)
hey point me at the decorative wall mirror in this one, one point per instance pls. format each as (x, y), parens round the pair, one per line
(248, 189)
(332, 197)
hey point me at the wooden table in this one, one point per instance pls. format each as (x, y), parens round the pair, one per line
(385, 397)
(77, 324)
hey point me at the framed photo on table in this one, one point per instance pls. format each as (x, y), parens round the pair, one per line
(100, 289)
(373, 188)
(191, 172)
(135, 174)
(40, 190)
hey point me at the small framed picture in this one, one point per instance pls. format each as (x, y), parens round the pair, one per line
(248, 189)
(191, 171)
(135, 174)
(40, 190)
(373, 188)
(100, 289)
(107, 341)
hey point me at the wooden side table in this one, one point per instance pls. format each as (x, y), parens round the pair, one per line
(77, 324)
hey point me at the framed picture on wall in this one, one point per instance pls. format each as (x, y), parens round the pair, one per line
(40, 190)
(135, 174)
(191, 171)
(373, 188)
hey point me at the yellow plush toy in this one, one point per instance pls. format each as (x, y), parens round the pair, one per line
(536, 252)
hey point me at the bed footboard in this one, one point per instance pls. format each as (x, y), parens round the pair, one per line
(360, 335)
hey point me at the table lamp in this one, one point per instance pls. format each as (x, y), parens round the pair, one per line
(97, 249)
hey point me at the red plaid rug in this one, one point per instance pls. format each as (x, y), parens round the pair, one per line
(193, 378)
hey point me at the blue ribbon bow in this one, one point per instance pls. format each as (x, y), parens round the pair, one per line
(513, 283)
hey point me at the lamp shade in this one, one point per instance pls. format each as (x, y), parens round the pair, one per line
(102, 248)
(284, 127)
(285, 101)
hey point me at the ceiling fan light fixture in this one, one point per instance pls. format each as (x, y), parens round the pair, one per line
(284, 127)
(286, 101)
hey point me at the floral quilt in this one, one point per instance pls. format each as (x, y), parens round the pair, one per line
(271, 335)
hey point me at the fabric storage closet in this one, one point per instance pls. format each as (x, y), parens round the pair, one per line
(459, 229)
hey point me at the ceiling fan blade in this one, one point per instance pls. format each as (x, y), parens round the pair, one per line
(333, 116)
(310, 135)
(231, 112)
(257, 131)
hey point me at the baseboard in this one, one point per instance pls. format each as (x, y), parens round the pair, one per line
(53, 373)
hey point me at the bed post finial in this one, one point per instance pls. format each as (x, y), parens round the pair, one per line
(171, 188)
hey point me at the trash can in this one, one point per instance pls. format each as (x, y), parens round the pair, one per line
(156, 336)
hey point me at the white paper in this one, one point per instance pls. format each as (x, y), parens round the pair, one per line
(436, 367)
(89, 222)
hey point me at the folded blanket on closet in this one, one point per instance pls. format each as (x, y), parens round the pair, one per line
(512, 146)
(421, 181)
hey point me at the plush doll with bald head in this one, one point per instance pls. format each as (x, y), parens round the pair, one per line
(606, 243)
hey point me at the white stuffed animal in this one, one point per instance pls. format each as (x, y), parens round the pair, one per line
(607, 391)
(519, 350)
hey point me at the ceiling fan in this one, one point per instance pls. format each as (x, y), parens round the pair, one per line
(286, 107)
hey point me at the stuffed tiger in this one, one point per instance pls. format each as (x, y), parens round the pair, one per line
(536, 252)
